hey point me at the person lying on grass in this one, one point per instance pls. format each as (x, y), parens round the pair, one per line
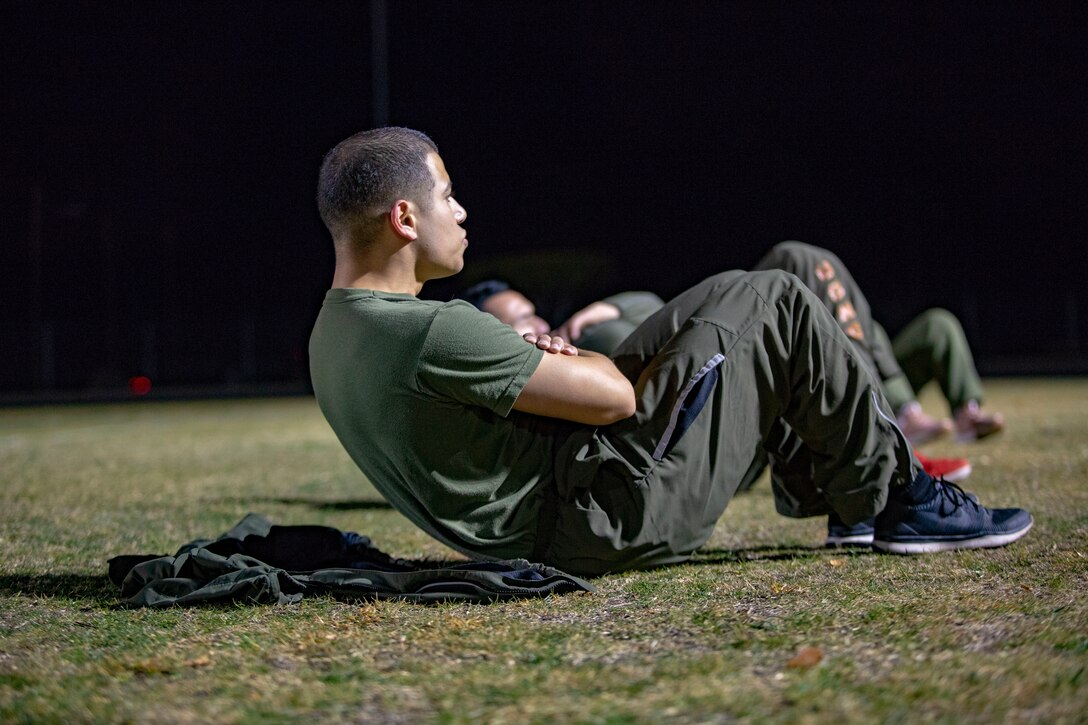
(503, 445)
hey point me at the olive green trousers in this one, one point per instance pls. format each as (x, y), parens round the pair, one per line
(742, 370)
(932, 347)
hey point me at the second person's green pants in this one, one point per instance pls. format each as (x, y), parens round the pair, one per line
(932, 347)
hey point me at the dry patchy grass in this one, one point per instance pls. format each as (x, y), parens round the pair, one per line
(971, 636)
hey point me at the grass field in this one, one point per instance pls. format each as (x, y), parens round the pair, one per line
(981, 636)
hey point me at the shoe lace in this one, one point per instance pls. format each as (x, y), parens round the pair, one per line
(953, 494)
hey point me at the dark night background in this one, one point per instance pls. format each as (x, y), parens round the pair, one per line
(159, 163)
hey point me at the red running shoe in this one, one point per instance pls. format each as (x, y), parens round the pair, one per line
(950, 469)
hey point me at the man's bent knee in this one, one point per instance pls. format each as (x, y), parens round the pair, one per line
(773, 283)
(942, 320)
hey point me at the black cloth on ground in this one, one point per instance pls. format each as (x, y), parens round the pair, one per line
(258, 562)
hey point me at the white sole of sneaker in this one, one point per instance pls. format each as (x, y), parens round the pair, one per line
(959, 474)
(931, 547)
(859, 540)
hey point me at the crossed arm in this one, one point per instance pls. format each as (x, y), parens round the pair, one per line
(575, 385)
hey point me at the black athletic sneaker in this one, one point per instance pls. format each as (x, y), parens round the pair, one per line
(950, 519)
(839, 534)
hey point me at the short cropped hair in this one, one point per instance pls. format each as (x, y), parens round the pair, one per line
(364, 174)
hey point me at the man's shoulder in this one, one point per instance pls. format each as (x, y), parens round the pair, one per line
(377, 301)
(377, 298)
(352, 306)
(373, 315)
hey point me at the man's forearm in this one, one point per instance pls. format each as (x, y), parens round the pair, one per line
(586, 388)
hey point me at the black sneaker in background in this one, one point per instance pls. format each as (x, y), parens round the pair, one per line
(949, 519)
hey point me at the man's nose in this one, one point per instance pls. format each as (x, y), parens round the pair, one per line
(460, 214)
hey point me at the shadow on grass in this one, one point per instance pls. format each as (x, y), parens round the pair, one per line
(96, 587)
(320, 505)
(774, 553)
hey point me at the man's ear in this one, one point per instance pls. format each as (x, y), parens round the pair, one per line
(402, 218)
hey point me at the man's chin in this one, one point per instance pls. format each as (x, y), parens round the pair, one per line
(447, 271)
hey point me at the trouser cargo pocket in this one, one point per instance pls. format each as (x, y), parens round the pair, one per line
(688, 404)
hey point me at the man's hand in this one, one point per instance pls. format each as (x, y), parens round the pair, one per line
(594, 314)
(550, 343)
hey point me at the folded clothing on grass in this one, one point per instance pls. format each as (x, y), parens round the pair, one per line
(258, 562)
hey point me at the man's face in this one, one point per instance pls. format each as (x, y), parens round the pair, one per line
(515, 309)
(441, 241)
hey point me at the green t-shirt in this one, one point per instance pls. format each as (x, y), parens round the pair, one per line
(420, 394)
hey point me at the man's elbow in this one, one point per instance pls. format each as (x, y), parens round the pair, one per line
(623, 407)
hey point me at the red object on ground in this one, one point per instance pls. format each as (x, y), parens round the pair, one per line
(139, 385)
(950, 469)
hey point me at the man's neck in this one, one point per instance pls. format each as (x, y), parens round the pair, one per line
(394, 272)
(380, 280)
